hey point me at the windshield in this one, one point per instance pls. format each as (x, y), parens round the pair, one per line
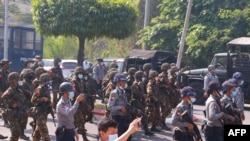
(219, 62)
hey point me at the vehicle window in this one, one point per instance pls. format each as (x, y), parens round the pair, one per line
(48, 63)
(69, 65)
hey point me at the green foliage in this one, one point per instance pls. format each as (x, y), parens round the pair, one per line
(212, 24)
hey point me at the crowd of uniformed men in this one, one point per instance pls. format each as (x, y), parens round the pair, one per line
(153, 94)
(28, 94)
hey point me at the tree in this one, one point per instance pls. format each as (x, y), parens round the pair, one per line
(212, 24)
(85, 19)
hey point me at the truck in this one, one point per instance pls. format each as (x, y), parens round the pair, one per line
(235, 59)
(23, 43)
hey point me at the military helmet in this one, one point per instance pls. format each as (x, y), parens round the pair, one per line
(57, 60)
(131, 71)
(13, 76)
(28, 73)
(228, 84)
(187, 91)
(112, 69)
(113, 65)
(174, 69)
(120, 77)
(238, 76)
(79, 69)
(39, 71)
(45, 77)
(210, 67)
(65, 87)
(214, 85)
(152, 74)
(147, 66)
(165, 66)
(112, 74)
(138, 74)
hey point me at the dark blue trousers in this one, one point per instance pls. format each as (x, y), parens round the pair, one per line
(67, 136)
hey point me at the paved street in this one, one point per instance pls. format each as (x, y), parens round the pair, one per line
(92, 128)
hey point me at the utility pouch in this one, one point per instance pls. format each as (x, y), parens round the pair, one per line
(60, 131)
(176, 135)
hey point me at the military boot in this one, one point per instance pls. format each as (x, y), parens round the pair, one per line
(23, 136)
(165, 127)
(154, 129)
(3, 137)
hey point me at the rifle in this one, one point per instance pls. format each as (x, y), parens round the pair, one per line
(132, 112)
(186, 118)
(229, 110)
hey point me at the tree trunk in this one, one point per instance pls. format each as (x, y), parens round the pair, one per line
(80, 56)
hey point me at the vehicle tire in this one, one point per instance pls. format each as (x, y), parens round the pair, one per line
(198, 86)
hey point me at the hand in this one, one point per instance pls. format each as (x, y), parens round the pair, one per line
(80, 98)
(134, 126)
(222, 115)
(45, 99)
(232, 119)
(190, 126)
(123, 110)
(76, 137)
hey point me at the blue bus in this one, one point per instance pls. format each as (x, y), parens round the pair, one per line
(23, 43)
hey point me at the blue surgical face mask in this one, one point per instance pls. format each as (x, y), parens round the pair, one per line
(48, 84)
(80, 76)
(192, 99)
(71, 95)
(235, 92)
(19, 83)
(241, 83)
(113, 137)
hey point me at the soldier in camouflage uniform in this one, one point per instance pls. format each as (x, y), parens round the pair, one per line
(175, 96)
(80, 117)
(4, 84)
(146, 68)
(42, 101)
(38, 72)
(139, 99)
(164, 94)
(17, 109)
(153, 106)
(27, 86)
(57, 79)
(130, 81)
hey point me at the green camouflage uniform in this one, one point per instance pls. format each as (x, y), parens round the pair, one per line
(175, 96)
(42, 110)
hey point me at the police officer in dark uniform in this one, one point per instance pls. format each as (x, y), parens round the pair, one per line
(4, 84)
(65, 113)
(57, 79)
(117, 104)
(211, 76)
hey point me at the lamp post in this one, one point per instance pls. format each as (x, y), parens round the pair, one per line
(184, 32)
(6, 4)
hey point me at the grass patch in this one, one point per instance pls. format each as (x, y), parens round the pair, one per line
(100, 106)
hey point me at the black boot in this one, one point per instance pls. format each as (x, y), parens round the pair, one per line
(148, 133)
(165, 127)
(3, 137)
(23, 136)
(154, 129)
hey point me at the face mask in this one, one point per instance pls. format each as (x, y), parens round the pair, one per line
(143, 79)
(48, 84)
(192, 99)
(113, 137)
(59, 63)
(19, 83)
(235, 92)
(176, 73)
(71, 95)
(126, 85)
(86, 77)
(80, 76)
(241, 83)
(31, 65)
(212, 71)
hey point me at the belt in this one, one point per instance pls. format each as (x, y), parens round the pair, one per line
(69, 130)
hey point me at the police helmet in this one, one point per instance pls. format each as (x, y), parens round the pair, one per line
(39, 71)
(187, 91)
(45, 77)
(211, 67)
(13, 76)
(165, 66)
(120, 77)
(147, 66)
(65, 87)
(214, 85)
(228, 84)
(238, 76)
(131, 71)
(152, 74)
(138, 74)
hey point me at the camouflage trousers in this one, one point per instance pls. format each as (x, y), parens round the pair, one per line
(15, 127)
(80, 120)
(55, 91)
(175, 97)
(41, 131)
(165, 106)
(153, 113)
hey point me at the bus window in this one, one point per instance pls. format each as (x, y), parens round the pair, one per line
(27, 39)
(17, 38)
(38, 40)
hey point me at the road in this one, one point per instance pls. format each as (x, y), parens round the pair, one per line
(92, 128)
